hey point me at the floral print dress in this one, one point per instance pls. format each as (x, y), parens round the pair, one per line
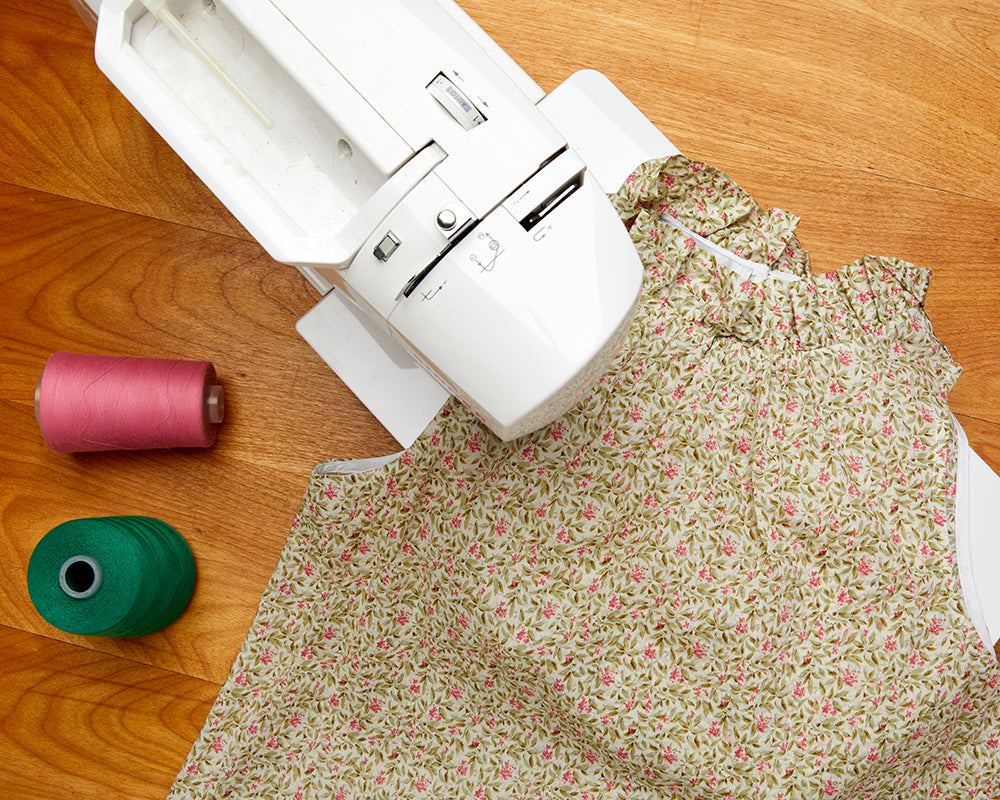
(729, 573)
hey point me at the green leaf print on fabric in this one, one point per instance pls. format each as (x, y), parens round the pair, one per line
(728, 573)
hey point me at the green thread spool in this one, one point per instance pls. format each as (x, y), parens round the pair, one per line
(111, 576)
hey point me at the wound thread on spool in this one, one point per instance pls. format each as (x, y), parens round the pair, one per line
(111, 576)
(86, 403)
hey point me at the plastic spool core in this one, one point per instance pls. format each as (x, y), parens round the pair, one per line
(38, 401)
(81, 577)
(215, 404)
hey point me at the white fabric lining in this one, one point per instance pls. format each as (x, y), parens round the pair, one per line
(353, 466)
(743, 267)
(962, 538)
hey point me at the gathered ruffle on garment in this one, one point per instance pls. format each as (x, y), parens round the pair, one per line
(730, 572)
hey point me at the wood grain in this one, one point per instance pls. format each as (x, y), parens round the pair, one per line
(90, 279)
(67, 129)
(80, 724)
(875, 121)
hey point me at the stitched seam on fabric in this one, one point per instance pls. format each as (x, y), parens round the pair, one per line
(741, 266)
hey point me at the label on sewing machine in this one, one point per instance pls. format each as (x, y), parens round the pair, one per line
(455, 102)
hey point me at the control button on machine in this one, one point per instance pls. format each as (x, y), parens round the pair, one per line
(455, 102)
(446, 219)
(386, 247)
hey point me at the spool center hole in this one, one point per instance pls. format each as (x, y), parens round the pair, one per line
(80, 576)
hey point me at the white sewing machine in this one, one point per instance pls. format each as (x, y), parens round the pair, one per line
(453, 216)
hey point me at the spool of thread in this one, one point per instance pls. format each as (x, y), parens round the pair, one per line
(111, 576)
(96, 402)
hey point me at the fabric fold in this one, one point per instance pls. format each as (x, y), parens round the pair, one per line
(729, 572)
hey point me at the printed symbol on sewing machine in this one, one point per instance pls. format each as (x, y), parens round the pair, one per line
(494, 243)
(430, 294)
(494, 246)
(541, 233)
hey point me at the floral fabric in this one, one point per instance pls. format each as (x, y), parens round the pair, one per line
(728, 573)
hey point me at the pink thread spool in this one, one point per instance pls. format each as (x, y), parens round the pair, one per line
(94, 402)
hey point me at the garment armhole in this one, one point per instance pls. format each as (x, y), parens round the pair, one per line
(354, 466)
(963, 536)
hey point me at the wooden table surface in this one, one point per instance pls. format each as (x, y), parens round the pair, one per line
(876, 121)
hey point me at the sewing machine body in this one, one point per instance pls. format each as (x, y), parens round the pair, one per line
(406, 165)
